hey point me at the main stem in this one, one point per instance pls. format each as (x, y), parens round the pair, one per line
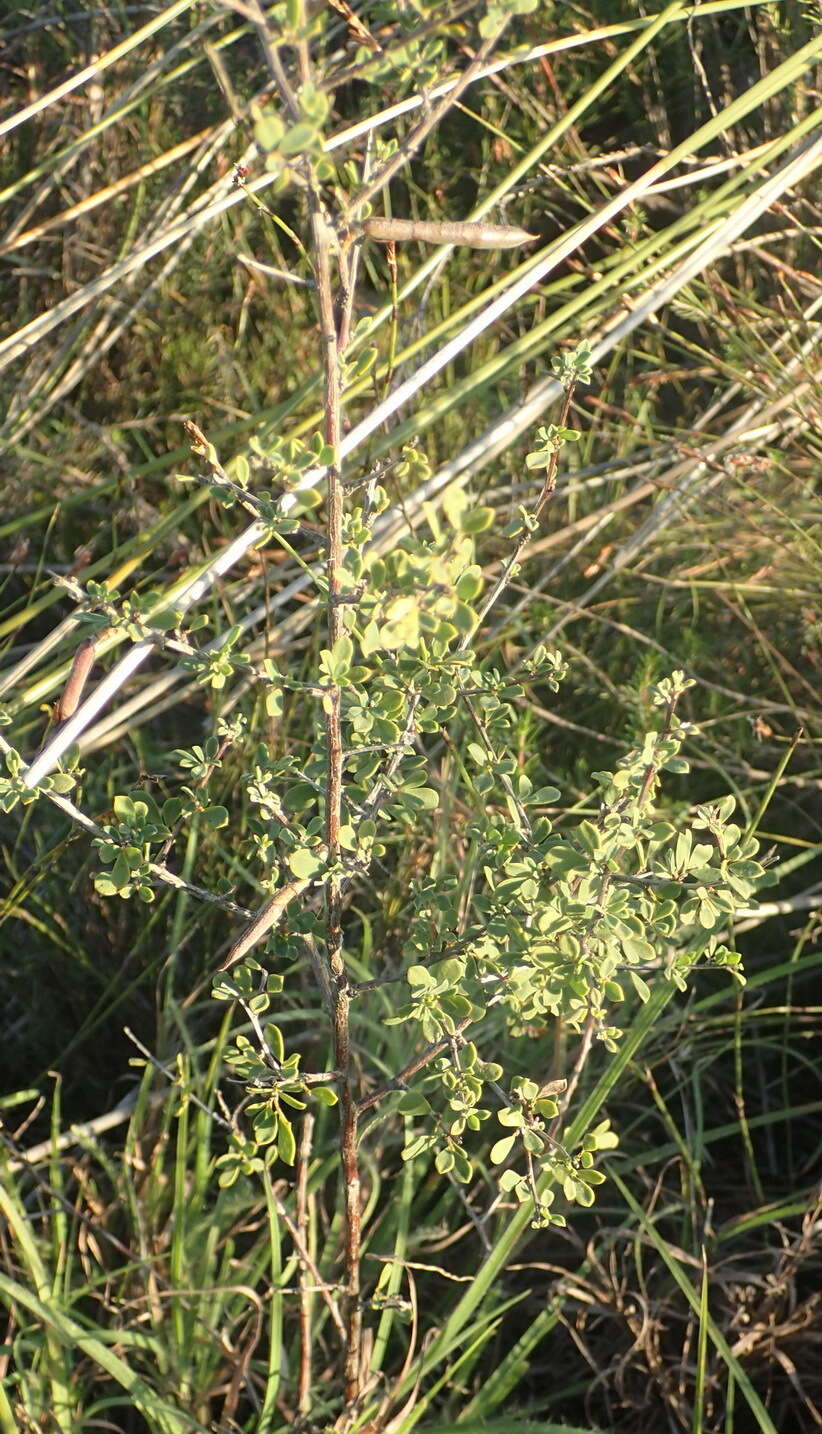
(340, 998)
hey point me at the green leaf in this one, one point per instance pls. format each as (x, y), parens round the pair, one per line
(286, 1144)
(709, 914)
(275, 1042)
(450, 970)
(538, 460)
(416, 1147)
(477, 520)
(324, 1095)
(470, 584)
(305, 862)
(489, 25)
(412, 1103)
(306, 498)
(637, 950)
(604, 1138)
(676, 764)
(546, 1108)
(296, 139)
(298, 797)
(215, 817)
(266, 1126)
(314, 103)
(419, 976)
(464, 618)
(370, 641)
(589, 837)
(268, 131)
(544, 796)
(511, 1115)
(454, 503)
(343, 652)
(121, 871)
(501, 1149)
(421, 798)
(61, 782)
(361, 366)
(229, 1173)
(463, 1169)
(509, 1179)
(640, 986)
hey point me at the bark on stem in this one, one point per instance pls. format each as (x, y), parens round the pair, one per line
(340, 999)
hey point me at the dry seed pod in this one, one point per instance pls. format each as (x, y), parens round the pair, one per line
(72, 692)
(475, 235)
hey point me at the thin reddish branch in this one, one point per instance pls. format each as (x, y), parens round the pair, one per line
(416, 1064)
(332, 704)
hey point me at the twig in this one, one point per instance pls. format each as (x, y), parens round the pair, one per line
(539, 507)
(319, 1284)
(76, 1134)
(584, 1051)
(428, 122)
(158, 870)
(418, 1063)
(267, 917)
(323, 241)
